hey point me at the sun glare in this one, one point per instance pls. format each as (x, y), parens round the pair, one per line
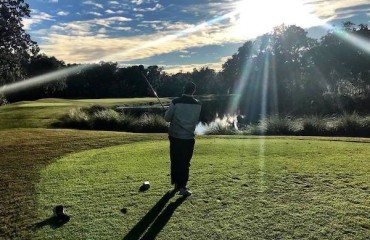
(256, 17)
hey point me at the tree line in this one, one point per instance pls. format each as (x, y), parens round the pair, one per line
(284, 71)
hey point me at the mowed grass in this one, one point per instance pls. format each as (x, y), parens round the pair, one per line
(24, 152)
(42, 113)
(244, 188)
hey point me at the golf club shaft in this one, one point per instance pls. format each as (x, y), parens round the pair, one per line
(155, 93)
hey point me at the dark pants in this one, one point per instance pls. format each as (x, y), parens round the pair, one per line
(181, 152)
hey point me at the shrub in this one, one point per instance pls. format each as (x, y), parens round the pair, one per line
(125, 122)
(253, 129)
(94, 109)
(352, 125)
(149, 123)
(314, 126)
(107, 119)
(366, 127)
(76, 118)
(3, 100)
(276, 125)
(220, 129)
(102, 118)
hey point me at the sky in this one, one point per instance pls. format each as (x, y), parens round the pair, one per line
(178, 35)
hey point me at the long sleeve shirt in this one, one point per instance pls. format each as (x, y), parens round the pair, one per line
(183, 115)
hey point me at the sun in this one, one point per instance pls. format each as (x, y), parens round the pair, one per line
(256, 17)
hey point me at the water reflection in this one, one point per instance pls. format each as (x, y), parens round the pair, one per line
(220, 107)
(216, 112)
(224, 121)
(213, 109)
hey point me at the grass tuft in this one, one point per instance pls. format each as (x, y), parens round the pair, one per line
(221, 129)
(106, 119)
(352, 125)
(149, 123)
(276, 125)
(103, 118)
(76, 118)
(314, 126)
(3, 100)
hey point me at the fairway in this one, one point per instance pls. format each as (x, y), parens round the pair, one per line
(243, 188)
(43, 112)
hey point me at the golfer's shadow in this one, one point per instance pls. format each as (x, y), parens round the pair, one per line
(154, 221)
(54, 222)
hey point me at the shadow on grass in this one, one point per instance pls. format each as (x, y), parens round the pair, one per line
(154, 221)
(54, 222)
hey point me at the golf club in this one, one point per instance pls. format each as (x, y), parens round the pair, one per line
(155, 93)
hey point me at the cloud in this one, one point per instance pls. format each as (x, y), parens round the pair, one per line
(172, 69)
(217, 66)
(80, 41)
(36, 18)
(139, 2)
(62, 13)
(73, 29)
(323, 9)
(330, 9)
(113, 3)
(210, 9)
(184, 56)
(53, 1)
(116, 49)
(176, 68)
(95, 14)
(122, 28)
(98, 5)
(166, 25)
(347, 12)
(85, 28)
(108, 11)
(155, 8)
(117, 6)
(102, 31)
(109, 21)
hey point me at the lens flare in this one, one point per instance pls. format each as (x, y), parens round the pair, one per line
(42, 79)
(243, 79)
(357, 41)
(269, 73)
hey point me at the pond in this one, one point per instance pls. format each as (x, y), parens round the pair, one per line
(215, 111)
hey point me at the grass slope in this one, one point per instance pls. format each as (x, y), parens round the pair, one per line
(24, 152)
(243, 189)
(43, 112)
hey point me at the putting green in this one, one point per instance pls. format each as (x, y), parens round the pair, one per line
(243, 189)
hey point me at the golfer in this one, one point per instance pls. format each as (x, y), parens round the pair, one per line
(183, 115)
